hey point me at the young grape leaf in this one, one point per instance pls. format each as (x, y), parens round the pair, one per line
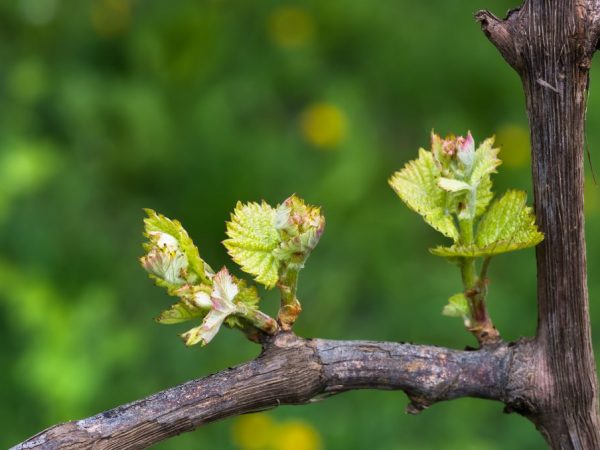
(263, 239)
(485, 162)
(222, 298)
(484, 195)
(508, 225)
(181, 311)
(171, 256)
(253, 238)
(417, 185)
(458, 306)
(451, 185)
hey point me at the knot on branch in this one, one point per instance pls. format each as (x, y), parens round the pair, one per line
(502, 33)
(591, 36)
(417, 404)
(282, 340)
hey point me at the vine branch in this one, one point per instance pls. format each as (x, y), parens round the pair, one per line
(293, 370)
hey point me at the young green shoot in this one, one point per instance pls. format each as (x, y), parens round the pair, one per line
(450, 186)
(270, 243)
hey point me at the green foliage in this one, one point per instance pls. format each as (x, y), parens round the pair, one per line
(484, 195)
(247, 295)
(508, 225)
(172, 258)
(222, 298)
(267, 242)
(458, 306)
(253, 239)
(451, 182)
(486, 162)
(273, 244)
(299, 227)
(451, 187)
(174, 262)
(417, 184)
(181, 311)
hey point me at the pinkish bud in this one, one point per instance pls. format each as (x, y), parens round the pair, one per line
(449, 147)
(465, 144)
(466, 149)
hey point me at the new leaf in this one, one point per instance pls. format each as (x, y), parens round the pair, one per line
(253, 238)
(222, 298)
(417, 185)
(485, 163)
(171, 258)
(508, 225)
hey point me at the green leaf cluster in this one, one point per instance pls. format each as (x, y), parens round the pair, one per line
(174, 262)
(451, 182)
(450, 186)
(171, 257)
(417, 185)
(267, 242)
(508, 225)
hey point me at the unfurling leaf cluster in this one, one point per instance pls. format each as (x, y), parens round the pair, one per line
(450, 186)
(266, 242)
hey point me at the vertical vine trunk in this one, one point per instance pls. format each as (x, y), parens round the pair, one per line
(550, 44)
(569, 410)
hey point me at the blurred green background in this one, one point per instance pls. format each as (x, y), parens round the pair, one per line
(110, 106)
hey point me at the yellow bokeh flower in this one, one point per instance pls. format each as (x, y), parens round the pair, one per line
(323, 125)
(253, 432)
(290, 26)
(514, 142)
(260, 432)
(296, 435)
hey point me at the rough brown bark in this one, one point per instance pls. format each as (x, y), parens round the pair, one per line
(550, 44)
(292, 370)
